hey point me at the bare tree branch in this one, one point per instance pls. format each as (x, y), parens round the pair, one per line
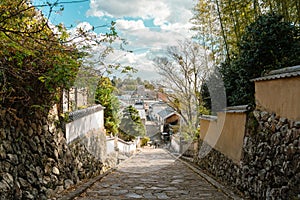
(184, 70)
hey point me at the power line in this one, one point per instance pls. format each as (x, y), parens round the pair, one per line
(56, 3)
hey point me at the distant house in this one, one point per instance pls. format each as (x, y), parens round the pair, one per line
(155, 108)
(162, 96)
(142, 115)
(168, 117)
(144, 94)
(126, 99)
(139, 105)
(123, 104)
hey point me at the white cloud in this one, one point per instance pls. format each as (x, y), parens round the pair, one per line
(130, 24)
(84, 26)
(151, 39)
(170, 19)
(162, 11)
(131, 8)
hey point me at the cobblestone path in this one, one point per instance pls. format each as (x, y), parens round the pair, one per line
(152, 174)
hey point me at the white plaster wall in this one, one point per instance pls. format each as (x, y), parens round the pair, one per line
(110, 145)
(124, 147)
(82, 126)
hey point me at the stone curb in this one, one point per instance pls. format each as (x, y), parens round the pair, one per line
(81, 188)
(210, 180)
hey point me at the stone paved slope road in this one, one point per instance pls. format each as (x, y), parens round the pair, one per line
(152, 174)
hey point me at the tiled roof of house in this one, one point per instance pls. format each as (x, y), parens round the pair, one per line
(166, 112)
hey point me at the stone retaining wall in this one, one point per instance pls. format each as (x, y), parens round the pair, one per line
(270, 164)
(35, 160)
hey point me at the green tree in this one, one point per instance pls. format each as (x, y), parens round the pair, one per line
(268, 43)
(206, 96)
(220, 25)
(139, 81)
(35, 63)
(149, 85)
(131, 124)
(207, 29)
(104, 96)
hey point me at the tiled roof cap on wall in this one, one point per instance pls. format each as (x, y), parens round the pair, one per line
(280, 73)
(84, 112)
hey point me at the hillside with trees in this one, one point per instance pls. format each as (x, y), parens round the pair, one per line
(130, 84)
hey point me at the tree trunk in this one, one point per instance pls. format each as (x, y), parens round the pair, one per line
(223, 31)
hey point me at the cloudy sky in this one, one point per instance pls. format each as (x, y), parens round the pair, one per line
(149, 26)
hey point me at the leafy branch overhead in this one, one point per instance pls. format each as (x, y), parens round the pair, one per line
(38, 60)
(34, 63)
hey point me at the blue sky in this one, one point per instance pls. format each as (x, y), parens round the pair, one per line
(149, 26)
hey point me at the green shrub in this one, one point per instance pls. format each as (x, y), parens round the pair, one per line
(144, 141)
